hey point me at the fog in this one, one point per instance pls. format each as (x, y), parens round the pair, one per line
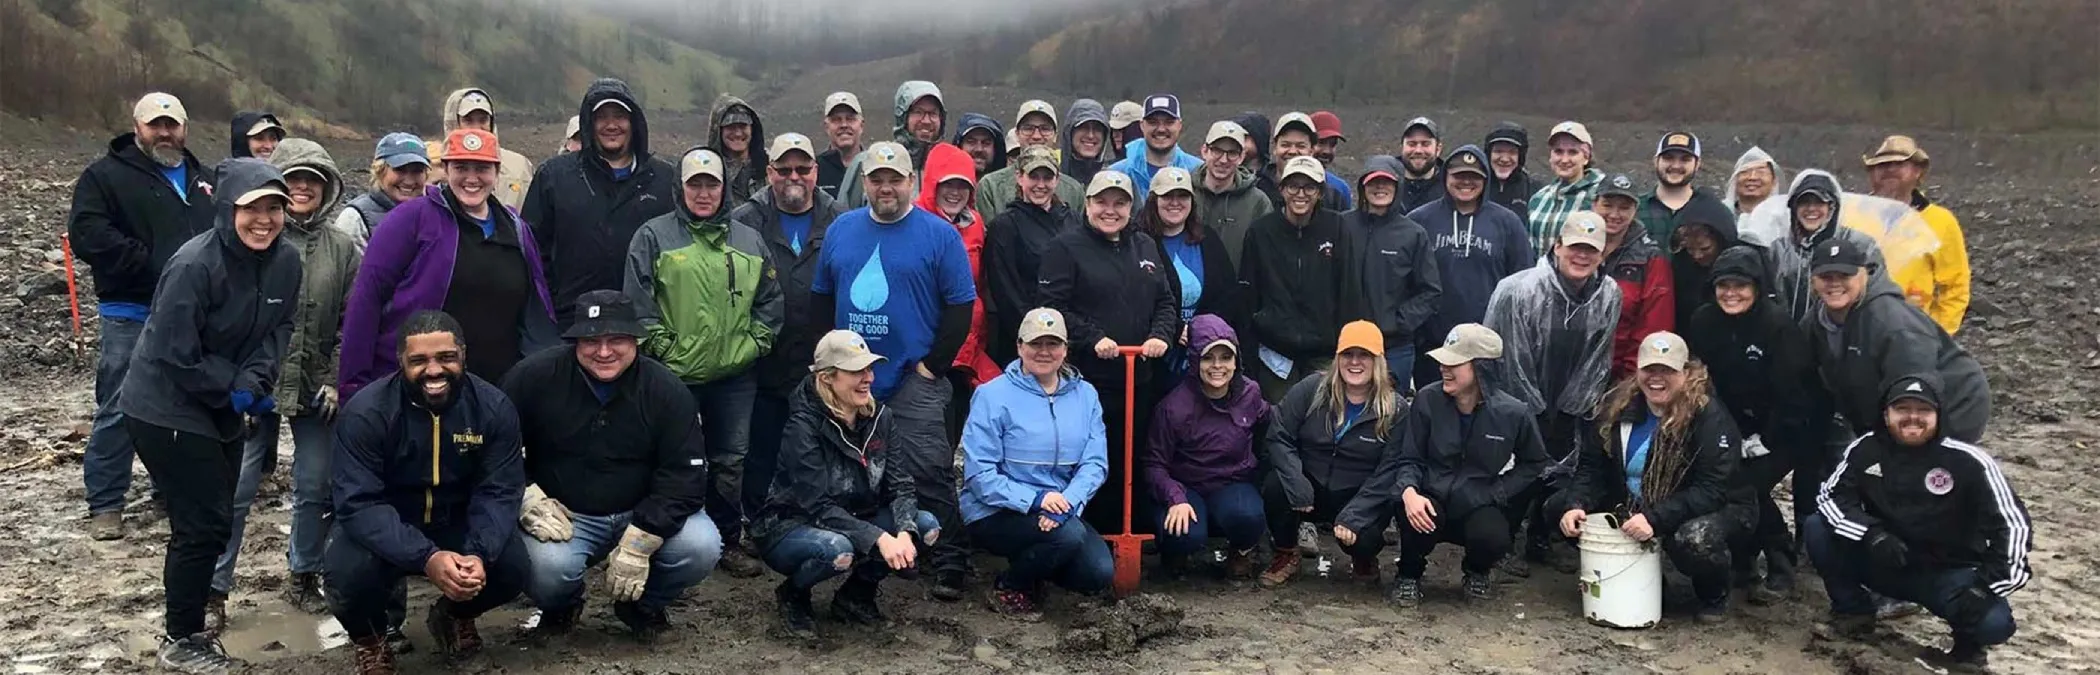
(810, 32)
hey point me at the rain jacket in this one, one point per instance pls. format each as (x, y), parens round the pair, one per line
(747, 174)
(514, 175)
(1021, 442)
(1013, 259)
(402, 471)
(1759, 360)
(851, 192)
(1310, 456)
(1474, 253)
(1553, 203)
(970, 121)
(1416, 192)
(1513, 193)
(1140, 170)
(242, 122)
(1788, 259)
(1884, 338)
(836, 478)
(221, 322)
(1556, 344)
(1692, 279)
(782, 368)
(946, 162)
(1081, 169)
(1647, 296)
(1751, 159)
(1938, 282)
(1109, 289)
(1397, 285)
(329, 260)
(585, 216)
(1229, 214)
(1707, 485)
(1462, 465)
(127, 219)
(635, 451)
(408, 268)
(1198, 443)
(1296, 284)
(707, 293)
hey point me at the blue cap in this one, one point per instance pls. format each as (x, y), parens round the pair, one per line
(1163, 103)
(401, 149)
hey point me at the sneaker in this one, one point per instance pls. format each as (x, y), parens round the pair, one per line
(373, 656)
(950, 585)
(646, 625)
(1282, 566)
(1890, 609)
(559, 621)
(1016, 605)
(1405, 593)
(397, 641)
(1848, 627)
(1775, 590)
(1965, 657)
(106, 526)
(455, 636)
(1239, 565)
(1478, 588)
(200, 653)
(1364, 570)
(215, 614)
(1714, 611)
(855, 603)
(738, 562)
(798, 621)
(303, 591)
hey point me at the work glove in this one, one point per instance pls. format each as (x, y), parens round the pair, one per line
(243, 400)
(1968, 607)
(1888, 551)
(628, 569)
(1754, 447)
(543, 518)
(327, 402)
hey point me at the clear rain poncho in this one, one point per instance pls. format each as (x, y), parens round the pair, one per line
(1766, 223)
(1556, 345)
(1884, 227)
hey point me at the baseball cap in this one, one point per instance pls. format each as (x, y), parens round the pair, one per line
(1678, 140)
(1913, 387)
(1297, 119)
(843, 98)
(1110, 180)
(1896, 149)
(1362, 335)
(401, 149)
(1304, 166)
(1125, 114)
(1424, 124)
(789, 142)
(1042, 322)
(471, 145)
(1583, 227)
(737, 116)
(575, 127)
(1574, 129)
(265, 123)
(1466, 159)
(885, 155)
(158, 105)
(1170, 179)
(699, 162)
(1839, 255)
(1328, 125)
(1162, 103)
(612, 101)
(602, 313)
(1034, 106)
(1664, 348)
(1620, 185)
(1013, 140)
(844, 350)
(1467, 342)
(1037, 157)
(474, 100)
(1228, 130)
(274, 187)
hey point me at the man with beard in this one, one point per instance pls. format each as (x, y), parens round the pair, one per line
(1937, 282)
(1420, 148)
(429, 477)
(1160, 148)
(980, 137)
(1227, 201)
(1294, 138)
(921, 119)
(900, 278)
(842, 126)
(1476, 243)
(1574, 188)
(1036, 126)
(1327, 127)
(585, 206)
(1676, 164)
(255, 134)
(1510, 184)
(131, 209)
(736, 133)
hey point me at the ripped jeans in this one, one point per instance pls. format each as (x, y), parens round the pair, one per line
(809, 555)
(1702, 548)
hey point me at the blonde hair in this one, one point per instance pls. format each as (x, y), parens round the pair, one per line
(1669, 456)
(831, 400)
(379, 169)
(1384, 402)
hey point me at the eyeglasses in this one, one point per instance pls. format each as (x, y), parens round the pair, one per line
(1037, 128)
(785, 171)
(1301, 189)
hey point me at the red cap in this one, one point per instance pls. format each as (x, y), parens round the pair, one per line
(471, 145)
(1327, 125)
(1388, 175)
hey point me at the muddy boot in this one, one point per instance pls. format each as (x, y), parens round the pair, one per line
(1364, 570)
(215, 614)
(1714, 610)
(456, 637)
(1282, 566)
(397, 641)
(1406, 593)
(560, 621)
(1888, 609)
(373, 656)
(798, 621)
(1778, 586)
(645, 625)
(950, 585)
(1239, 565)
(1846, 627)
(855, 603)
(303, 592)
(1514, 567)
(199, 654)
(1478, 588)
(1012, 604)
(738, 561)
(1966, 657)
(106, 526)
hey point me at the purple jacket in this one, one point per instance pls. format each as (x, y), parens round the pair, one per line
(407, 269)
(1197, 443)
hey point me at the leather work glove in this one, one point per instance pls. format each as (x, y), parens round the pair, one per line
(543, 518)
(1888, 551)
(628, 569)
(1754, 447)
(328, 402)
(1968, 607)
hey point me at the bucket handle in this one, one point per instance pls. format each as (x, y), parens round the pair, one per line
(1611, 520)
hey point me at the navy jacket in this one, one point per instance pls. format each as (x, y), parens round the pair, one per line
(402, 471)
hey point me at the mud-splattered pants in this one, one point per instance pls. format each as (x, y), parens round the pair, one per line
(1849, 573)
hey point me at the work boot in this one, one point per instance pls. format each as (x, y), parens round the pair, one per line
(1016, 605)
(1888, 609)
(559, 621)
(397, 641)
(199, 654)
(798, 621)
(106, 526)
(646, 625)
(303, 591)
(738, 561)
(373, 656)
(1406, 593)
(1714, 610)
(1239, 565)
(1364, 570)
(950, 585)
(456, 637)
(1282, 566)
(1477, 587)
(1515, 566)
(855, 602)
(1848, 627)
(215, 614)
(1966, 657)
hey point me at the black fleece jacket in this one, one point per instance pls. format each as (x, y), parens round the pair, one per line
(127, 219)
(1109, 289)
(1295, 281)
(638, 450)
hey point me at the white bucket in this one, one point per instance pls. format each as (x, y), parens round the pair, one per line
(1621, 579)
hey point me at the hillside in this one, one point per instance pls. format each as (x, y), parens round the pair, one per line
(2000, 65)
(371, 63)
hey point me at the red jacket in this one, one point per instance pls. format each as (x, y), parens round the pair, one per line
(945, 162)
(1648, 297)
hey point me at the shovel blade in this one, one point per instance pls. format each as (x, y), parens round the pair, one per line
(1129, 551)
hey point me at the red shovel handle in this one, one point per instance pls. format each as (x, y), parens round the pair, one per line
(1128, 547)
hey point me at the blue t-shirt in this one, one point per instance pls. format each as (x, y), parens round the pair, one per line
(891, 283)
(622, 172)
(178, 176)
(1348, 420)
(603, 390)
(797, 228)
(1188, 267)
(1637, 453)
(488, 225)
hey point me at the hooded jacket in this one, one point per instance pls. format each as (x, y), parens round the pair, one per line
(1938, 282)
(1396, 282)
(1647, 296)
(127, 219)
(1661, 221)
(1751, 159)
(1310, 456)
(514, 175)
(1758, 360)
(946, 162)
(1556, 344)
(242, 122)
(1474, 253)
(1082, 169)
(836, 478)
(1465, 466)
(1513, 193)
(1416, 192)
(1116, 289)
(1884, 338)
(706, 292)
(1555, 201)
(1140, 169)
(851, 192)
(747, 174)
(1198, 443)
(1788, 259)
(329, 260)
(1021, 442)
(586, 216)
(1707, 485)
(783, 367)
(1013, 259)
(402, 471)
(635, 451)
(970, 121)
(1257, 125)
(1296, 284)
(1332, 198)
(221, 322)
(1693, 287)
(1230, 213)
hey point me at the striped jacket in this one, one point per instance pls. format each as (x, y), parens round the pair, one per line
(1947, 501)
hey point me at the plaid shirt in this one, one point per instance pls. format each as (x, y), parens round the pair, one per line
(1660, 220)
(1554, 202)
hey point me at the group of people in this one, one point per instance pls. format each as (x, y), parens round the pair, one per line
(755, 354)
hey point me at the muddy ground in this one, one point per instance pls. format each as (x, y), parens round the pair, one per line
(2028, 204)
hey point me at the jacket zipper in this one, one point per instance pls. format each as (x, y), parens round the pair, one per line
(436, 476)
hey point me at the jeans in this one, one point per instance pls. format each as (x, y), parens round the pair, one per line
(1849, 573)
(809, 555)
(769, 415)
(1072, 555)
(1484, 532)
(106, 469)
(1400, 363)
(311, 438)
(919, 410)
(558, 566)
(1283, 521)
(199, 473)
(363, 587)
(1233, 511)
(725, 426)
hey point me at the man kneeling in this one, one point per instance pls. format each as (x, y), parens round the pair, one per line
(614, 456)
(427, 478)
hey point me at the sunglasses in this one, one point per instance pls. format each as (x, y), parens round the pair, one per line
(786, 171)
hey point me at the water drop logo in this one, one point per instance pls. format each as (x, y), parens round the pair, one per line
(1191, 283)
(871, 288)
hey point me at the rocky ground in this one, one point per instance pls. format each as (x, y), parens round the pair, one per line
(2027, 204)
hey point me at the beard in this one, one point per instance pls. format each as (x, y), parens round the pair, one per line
(439, 402)
(793, 198)
(888, 210)
(164, 155)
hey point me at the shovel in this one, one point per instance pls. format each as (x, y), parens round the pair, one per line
(1128, 547)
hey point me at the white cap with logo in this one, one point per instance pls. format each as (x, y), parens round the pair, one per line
(699, 162)
(158, 105)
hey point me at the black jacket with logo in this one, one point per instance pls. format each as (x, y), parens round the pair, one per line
(1296, 283)
(1883, 338)
(1465, 468)
(1707, 485)
(1113, 289)
(781, 369)
(1396, 282)
(1310, 456)
(638, 451)
(127, 220)
(582, 218)
(1013, 259)
(1946, 500)
(834, 478)
(402, 470)
(1759, 360)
